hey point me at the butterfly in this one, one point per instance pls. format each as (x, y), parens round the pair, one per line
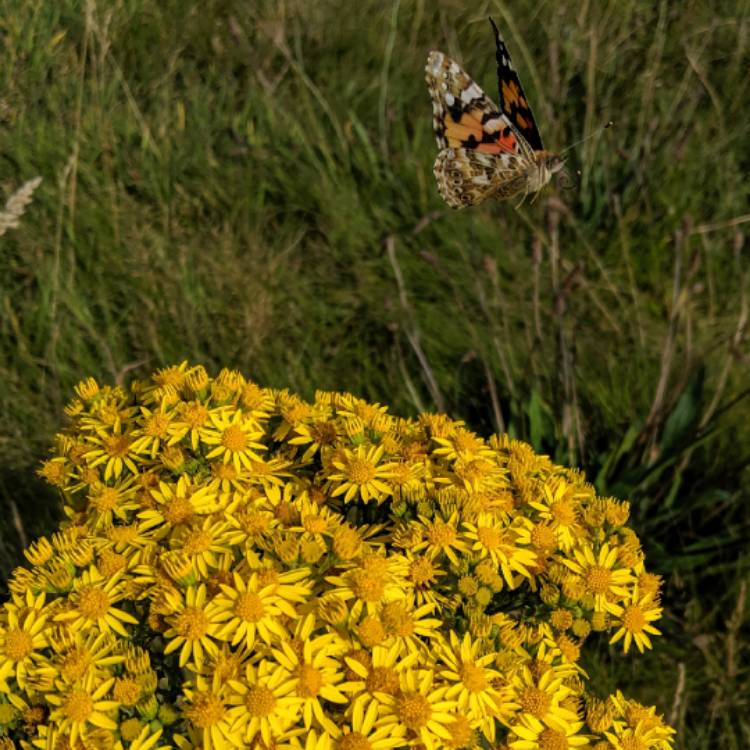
(485, 151)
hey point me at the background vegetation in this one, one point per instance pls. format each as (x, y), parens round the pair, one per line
(250, 185)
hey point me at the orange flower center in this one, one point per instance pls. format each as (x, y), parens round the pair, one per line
(250, 607)
(563, 512)
(489, 538)
(598, 579)
(382, 680)
(75, 664)
(441, 534)
(473, 678)
(633, 619)
(360, 471)
(460, 732)
(18, 644)
(260, 701)
(195, 414)
(117, 445)
(422, 571)
(397, 620)
(369, 587)
(106, 499)
(543, 537)
(192, 623)
(78, 706)
(156, 425)
(234, 439)
(354, 741)
(206, 710)
(310, 681)
(551, 739)
(414, 710)
(535, 701)
(93, 603)
(178, 510)
(198, 541)
(371, 632)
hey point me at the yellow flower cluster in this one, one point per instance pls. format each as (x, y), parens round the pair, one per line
(240, 568)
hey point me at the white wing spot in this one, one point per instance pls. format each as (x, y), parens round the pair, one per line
(492, 126)
(471, 92)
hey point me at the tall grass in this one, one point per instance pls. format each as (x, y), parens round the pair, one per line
(249, 184)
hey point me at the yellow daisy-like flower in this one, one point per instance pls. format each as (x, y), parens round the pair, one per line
(532, 734)
(560, 507)
(422, 574)
(107, 502)
(192, 629)
(264, 703)
(114, 450)
(364, 732)
(634, 620)
(191, 419)
(409, 626)
(470, 676)
(318, 522)
(22, 640)
(80, 708)
(178, 503)
(91, 604)
(379, 677)
(361, 475)
(235, 436)
(540, 697)
(253, 609)
(375, 580)
(441, 536)
(462, 444)
(643, 736)
(601, 578)
(207, 707)
(419, 709)
(318, 434)
(206, 543)
(502, 545)
(309, 660)
(154, 429)
(77, 654)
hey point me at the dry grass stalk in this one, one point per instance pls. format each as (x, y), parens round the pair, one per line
(16, 205)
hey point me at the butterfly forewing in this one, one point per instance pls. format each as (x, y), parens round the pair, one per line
(513, 101)
(463, 115)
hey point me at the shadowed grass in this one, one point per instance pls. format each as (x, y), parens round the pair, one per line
(250, 185)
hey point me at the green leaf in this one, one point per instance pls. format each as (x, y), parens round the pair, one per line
(681, 422)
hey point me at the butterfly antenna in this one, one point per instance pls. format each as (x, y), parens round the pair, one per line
(588, 137)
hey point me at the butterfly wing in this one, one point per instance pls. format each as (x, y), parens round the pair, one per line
(481, 153)
(513, 102)
(463, 115)
(466, 177)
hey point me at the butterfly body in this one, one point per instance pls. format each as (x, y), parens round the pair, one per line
(485, 151)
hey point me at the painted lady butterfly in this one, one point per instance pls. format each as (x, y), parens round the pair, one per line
(485, 152)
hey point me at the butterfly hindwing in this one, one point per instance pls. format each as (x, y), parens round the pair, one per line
(513, 102)
(466, 176)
